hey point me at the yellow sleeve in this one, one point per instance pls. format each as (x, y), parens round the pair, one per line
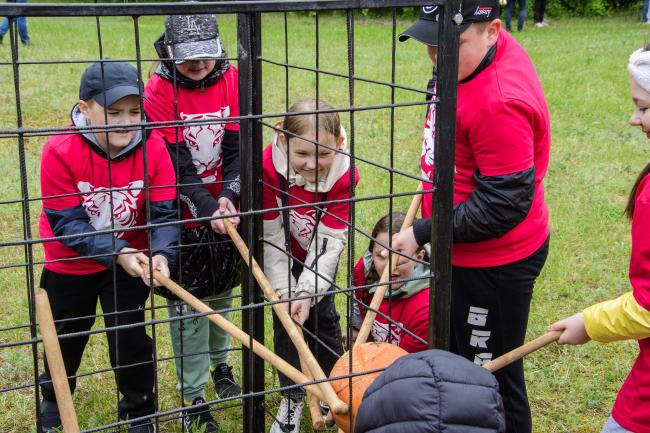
(618, 319)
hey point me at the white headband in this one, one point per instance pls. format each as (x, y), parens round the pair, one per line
(639, 68)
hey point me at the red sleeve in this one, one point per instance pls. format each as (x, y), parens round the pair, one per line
(338, 214)
(159, 107)
(503, 140)
(233, 96)
(57, 179)
(419, 325)
(162, 169)
(269, 177)
(640, 257)
(360, 280)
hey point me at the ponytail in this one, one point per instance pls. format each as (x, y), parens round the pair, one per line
(629, 209)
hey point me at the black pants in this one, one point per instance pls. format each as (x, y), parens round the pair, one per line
(323, 322)
(489, 317)
(540, 7)
(76, 296)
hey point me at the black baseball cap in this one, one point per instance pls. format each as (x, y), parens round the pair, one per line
(425, 29)
(118, 80)
(192, 37)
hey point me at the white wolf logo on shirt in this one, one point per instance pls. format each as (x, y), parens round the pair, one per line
(97, 203)
(428, 141)
(302, 225)
(380, 333)
(204, 141)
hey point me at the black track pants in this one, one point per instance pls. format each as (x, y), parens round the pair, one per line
(489, 317)
(73, 296)
(323, 322)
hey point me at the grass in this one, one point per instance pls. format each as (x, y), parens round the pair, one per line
(595, 158)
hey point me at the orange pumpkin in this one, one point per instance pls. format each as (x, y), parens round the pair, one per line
(365, 357)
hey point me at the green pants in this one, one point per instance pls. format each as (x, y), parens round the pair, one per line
(199, 345)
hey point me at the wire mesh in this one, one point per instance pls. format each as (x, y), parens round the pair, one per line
(281, 58)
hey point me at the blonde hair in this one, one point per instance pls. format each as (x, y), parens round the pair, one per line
(303, 123)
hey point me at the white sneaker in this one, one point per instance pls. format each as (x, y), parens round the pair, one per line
(288, 417)
(539, 25)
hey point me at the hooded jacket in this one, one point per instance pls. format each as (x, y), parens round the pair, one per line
(317, 238)
(432, 392)
(407, 307)
(76, 174)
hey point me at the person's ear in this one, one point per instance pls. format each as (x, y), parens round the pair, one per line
(493, 31)
(339, 142)
(84, 108)
(420, 254)
(282, 141)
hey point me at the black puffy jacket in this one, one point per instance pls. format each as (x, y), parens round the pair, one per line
(432, 392)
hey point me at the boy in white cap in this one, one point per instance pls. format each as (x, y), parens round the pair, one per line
(193, 83)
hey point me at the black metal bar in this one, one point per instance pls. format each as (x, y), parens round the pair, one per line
(27, 231)
(249, 36)
(443, 199)
(225, 7)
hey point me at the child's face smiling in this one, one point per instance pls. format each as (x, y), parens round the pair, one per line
(196, 69)
(307, 159)
(404, 266)
(124, 111)
(641, 115)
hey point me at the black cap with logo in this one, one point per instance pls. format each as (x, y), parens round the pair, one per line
(118, 79)
(192, 37)
(425, 29)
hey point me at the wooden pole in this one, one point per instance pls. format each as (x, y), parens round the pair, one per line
(317, 420)
(336, 405)
(55, 363)
(521, 351)
(258, 348)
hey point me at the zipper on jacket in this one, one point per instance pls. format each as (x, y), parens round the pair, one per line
(323, 249)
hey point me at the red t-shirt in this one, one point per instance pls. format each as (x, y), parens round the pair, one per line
(303, 220)
(70, 166)
(411, 313)
(502, 127)
(632, 407)
(216, 102)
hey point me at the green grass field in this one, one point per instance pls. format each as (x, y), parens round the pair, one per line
(595, 158)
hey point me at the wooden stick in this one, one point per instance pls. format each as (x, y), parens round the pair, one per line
(521, 351)
(258, 348)
(335, 403)
(55, 363)
(317, 420)
(380, 291)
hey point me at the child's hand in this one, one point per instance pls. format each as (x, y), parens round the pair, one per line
(300, 310)
(130, 260)
(226, 207)
(158, 263)
(353, 335)
(574, 330)
(405, 242)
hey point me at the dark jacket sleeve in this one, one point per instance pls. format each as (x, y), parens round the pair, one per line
(75, 221)
(496, 206)
(231, 186)
(164, 239)
(192, 191)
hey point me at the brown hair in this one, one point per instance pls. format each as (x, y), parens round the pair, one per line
(303, 123)
(629, 209)
(382, 227)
